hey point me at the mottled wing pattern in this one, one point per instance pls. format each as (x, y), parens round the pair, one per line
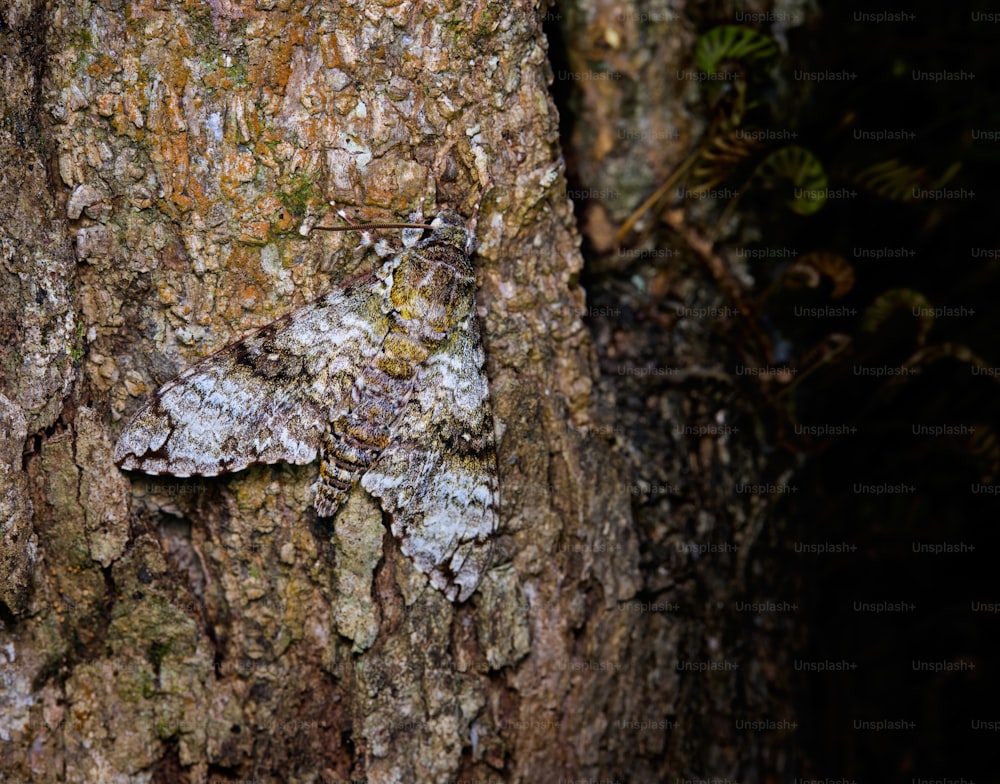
(438, 477)
(263, 399)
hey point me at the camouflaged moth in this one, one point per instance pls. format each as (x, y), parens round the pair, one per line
(383, 381)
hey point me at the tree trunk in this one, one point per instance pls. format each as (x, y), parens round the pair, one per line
(193, 630)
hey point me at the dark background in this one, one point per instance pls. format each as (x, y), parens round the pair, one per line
(952, 361)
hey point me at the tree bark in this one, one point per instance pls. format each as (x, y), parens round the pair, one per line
(158, 161)
(191, 630)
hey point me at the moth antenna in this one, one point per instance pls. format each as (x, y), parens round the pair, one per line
(352, 226)
(474, 221)
(479, 202)
(372, 226)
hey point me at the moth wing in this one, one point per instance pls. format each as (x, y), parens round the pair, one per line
(438, 476)
(263, 399)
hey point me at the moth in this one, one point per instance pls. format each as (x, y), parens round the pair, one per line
(383, 380)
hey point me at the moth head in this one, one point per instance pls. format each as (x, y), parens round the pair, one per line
(450, 228)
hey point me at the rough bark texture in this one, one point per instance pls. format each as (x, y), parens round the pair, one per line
(194, 630)
(712, 656)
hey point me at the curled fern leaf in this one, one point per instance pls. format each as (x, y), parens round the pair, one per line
(725, 152)
(732, 42)
(799, 167)
(900, 301)
(903, 182)
(809, 270)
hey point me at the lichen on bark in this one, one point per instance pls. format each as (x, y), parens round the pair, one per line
(212, 630)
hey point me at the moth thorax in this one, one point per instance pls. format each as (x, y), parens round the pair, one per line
(434, 293)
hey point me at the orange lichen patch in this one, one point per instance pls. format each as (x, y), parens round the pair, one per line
(123, 126)
(182, 202)
(275, 69)
(169, 154)
(166, 293)
(268, 205)
(103, 66)
(254, 233)
(200, 197)
(248, 296)
(304, 159)
(182, 38)
(285, 220)
(330, 52)
(106, 104)
(135, 384)
(264, 155)
(183, 310)
(238, 167)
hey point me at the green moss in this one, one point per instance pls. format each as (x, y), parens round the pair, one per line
(82, 38)
(76, 352)
(202, 30)
(157, 652)
(165, 729)
(237, 74)
(486, 23)
(304, 194)
(149, 689)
